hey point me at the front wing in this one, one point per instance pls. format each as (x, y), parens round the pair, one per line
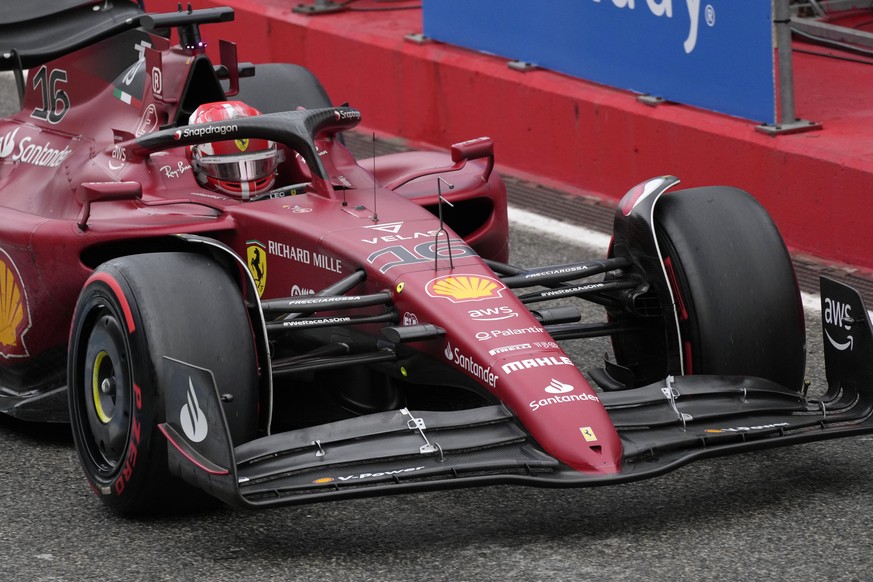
(662, 427)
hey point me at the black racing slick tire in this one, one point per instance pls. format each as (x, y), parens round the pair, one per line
(280, 87)
(736, 293)
(740, 310)
(132, 313)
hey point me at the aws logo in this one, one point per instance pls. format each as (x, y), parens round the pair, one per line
(14, 310)
(492, 313)
(838, 315)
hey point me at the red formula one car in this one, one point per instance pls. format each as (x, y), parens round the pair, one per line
(196, 272)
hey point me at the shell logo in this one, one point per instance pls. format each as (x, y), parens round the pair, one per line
(461, 288)
(323, 480)
(14, 310)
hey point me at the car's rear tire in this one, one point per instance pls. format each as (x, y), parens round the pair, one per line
(737, 296)
(280, 87)
(132, 312)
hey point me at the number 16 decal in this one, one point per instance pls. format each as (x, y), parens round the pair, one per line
(55, 101)
(428, 251)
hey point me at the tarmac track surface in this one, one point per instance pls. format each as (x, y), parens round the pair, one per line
(802, 512)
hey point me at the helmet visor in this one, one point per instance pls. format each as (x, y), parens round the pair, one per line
(240, 167)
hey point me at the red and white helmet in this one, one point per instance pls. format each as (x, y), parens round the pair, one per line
(237, 167)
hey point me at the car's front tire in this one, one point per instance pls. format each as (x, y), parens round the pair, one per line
(734, 287)
(131, 314)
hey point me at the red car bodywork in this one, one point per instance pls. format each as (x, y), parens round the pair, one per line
(77, 191)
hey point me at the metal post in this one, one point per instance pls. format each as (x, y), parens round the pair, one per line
(782, 18)
(787, 122)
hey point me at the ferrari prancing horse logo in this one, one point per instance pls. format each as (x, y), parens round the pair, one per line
(256, 259)
(14, 310)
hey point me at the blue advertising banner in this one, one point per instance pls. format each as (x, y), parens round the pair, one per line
(714, 54)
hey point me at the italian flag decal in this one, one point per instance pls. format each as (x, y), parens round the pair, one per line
(126, 97)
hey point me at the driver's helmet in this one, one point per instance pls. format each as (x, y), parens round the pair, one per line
(237, 167)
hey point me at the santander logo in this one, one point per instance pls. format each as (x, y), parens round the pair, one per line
(558, 387)
(192, 418)
(562, 395)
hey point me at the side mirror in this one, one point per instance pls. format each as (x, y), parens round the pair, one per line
(473, 149)
(89, 192)
(462, 152)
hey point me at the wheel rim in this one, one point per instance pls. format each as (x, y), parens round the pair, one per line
(105, 393)
(103, 387)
